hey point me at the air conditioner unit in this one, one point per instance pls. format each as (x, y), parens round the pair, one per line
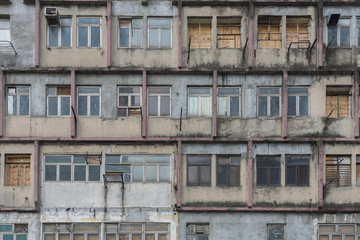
(52, 16)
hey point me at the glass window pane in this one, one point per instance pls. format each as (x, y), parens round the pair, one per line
(261, 176)
(234, 175)
(89, 89)
(159, 89)
(136, 38)
(165, 38)
(6, 228)
(94, 173)
(158, 159)
(262, 106)
(164, 106)
(199, 91)
(345, 36)
(199, 160)
(123, 101)
(151, 173)
(12, 105)
(94, 105)
(164, 173)
(293, 90)
(8, 237)
(332, 35)
(53, 106)
(89, 20)
(292, 105)
(154, 22)
(57, 159)
(24, 105)
(65, 106)
(303, 176)
(268, 90)
(135, 101)
(124, 37)
(221, 176)
(205, 177)
(21, 237)
(205, 106)
(65, 21)
(65, 173)
(50, 173)
(153, 38)
(274, 176)
(193, 175)
(290, 175)
(79, 173)
(228, 91)
(53, 36)
(82, 36)
(274, 105)
(82, 105)
(304, 106)
(234, 106)
(138, 173)
(222, 106)
(153, 106)
(65, 36)
(193, 106)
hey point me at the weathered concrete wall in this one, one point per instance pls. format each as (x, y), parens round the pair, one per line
(22, 31)
(74, 56)
(144, 56)
(31, 219)
(16, 196)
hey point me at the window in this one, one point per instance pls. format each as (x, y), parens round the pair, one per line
(72, 168)
(276, 231)
(298, 101)
(17, 170)
(357, 170)
(130, 33)
(199, 101)
(137, 231)
(89, 32)
(269, 32)
(138, 168)
(339, 34)
(18, 100)
(228, 101)
(129, 104)
(228, 171)
(4, 31)
(358, 31)
(297, 170)
(159, 101)
(60, 36)
(199, 170)
(58, 99)
(197, 231)
(269, 102)
(228, 32)
(338, 102)
(89, 101)
(339, 231)
(67, 231)
(13, 231)
(338, 171)
(199, 32)
(159, 33)
(268, 170)
(298, 32)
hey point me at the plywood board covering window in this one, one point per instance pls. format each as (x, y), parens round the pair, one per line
(338, 171)
(269, 32)
(18, 170)
(228, 32)
(199, 32)
(338, 102)
(297, 32)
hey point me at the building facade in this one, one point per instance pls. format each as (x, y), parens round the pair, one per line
(165, 120)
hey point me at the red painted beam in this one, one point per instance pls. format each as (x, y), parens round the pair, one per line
(179, 34)
(2, 91)
(36, 171)
(73, 95)
(108, 22)
(37, 32)
(285, 105)
(214, 106)
(251, 33)
(144, 105)
(320, 35)
(250, 174)
(356, 79)
(321, 173)
(179, 178)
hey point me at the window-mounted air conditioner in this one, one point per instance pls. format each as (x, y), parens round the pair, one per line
(52, 16)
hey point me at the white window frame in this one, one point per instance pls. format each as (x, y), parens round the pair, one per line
(158, 95)
(200, 96)
(338, 32)
(59, 27)
(68, 229)
(18, 99)
(89, 32)
(13, 232)
(159, 28)
(228, 98)
(143, 232)
(59, 97)
(298, 95)
(129, 95)
(131, 27)
(89, 95)
(268, 102)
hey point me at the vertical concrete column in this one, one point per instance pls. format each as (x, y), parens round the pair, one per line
(320, 34)
(321, 172)
(179, 178)
(250, 174)
(73, 95)
(37, 32)
(2, 91)
(36, 171)
(251, 33)
(108, 22)
(214, 107)
(144, 105)
(285, 105)
(356, 79)
(179, 34)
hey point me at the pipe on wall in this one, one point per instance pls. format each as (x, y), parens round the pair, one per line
(320, 34)
(251, 33)
(321, 173)
(36, 171)
(1, 102)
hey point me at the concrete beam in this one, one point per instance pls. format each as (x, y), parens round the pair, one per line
(320, 34)
(251, 33)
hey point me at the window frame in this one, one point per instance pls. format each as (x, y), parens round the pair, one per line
(159, 32)
(72, 165)
(338, 91)
(89, 31)
(88, 101)
(228, 97)
(199, 22)
(338, 33)
(158, 95)
(299, 43)
(143, 232)
(277, 158)
(297, 166)
(131, 28)
(198, 165)
(337, 231)
(18, 95)
(25, 167)
(339, 178)
(69, 230)
(59, 33)
(199, 97)
(228, 167)
(129, 107)
(59, 97)
(269, 34)
(231, 25)
(297, 96)
(358, 31)
(14, 233)
(194, 233)
(5, 28)
(268, 101)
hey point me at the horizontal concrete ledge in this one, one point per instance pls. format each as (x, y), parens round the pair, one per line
(19, 210)
(65, 2)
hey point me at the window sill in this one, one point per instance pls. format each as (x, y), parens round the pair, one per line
(158, 48)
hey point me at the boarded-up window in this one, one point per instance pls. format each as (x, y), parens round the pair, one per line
(339, 231)
(338, 102)
(269, 32)
(297, 32)
(17, 170)
(228, 32)
(358, 170)
(338, 170)
(199, 32)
